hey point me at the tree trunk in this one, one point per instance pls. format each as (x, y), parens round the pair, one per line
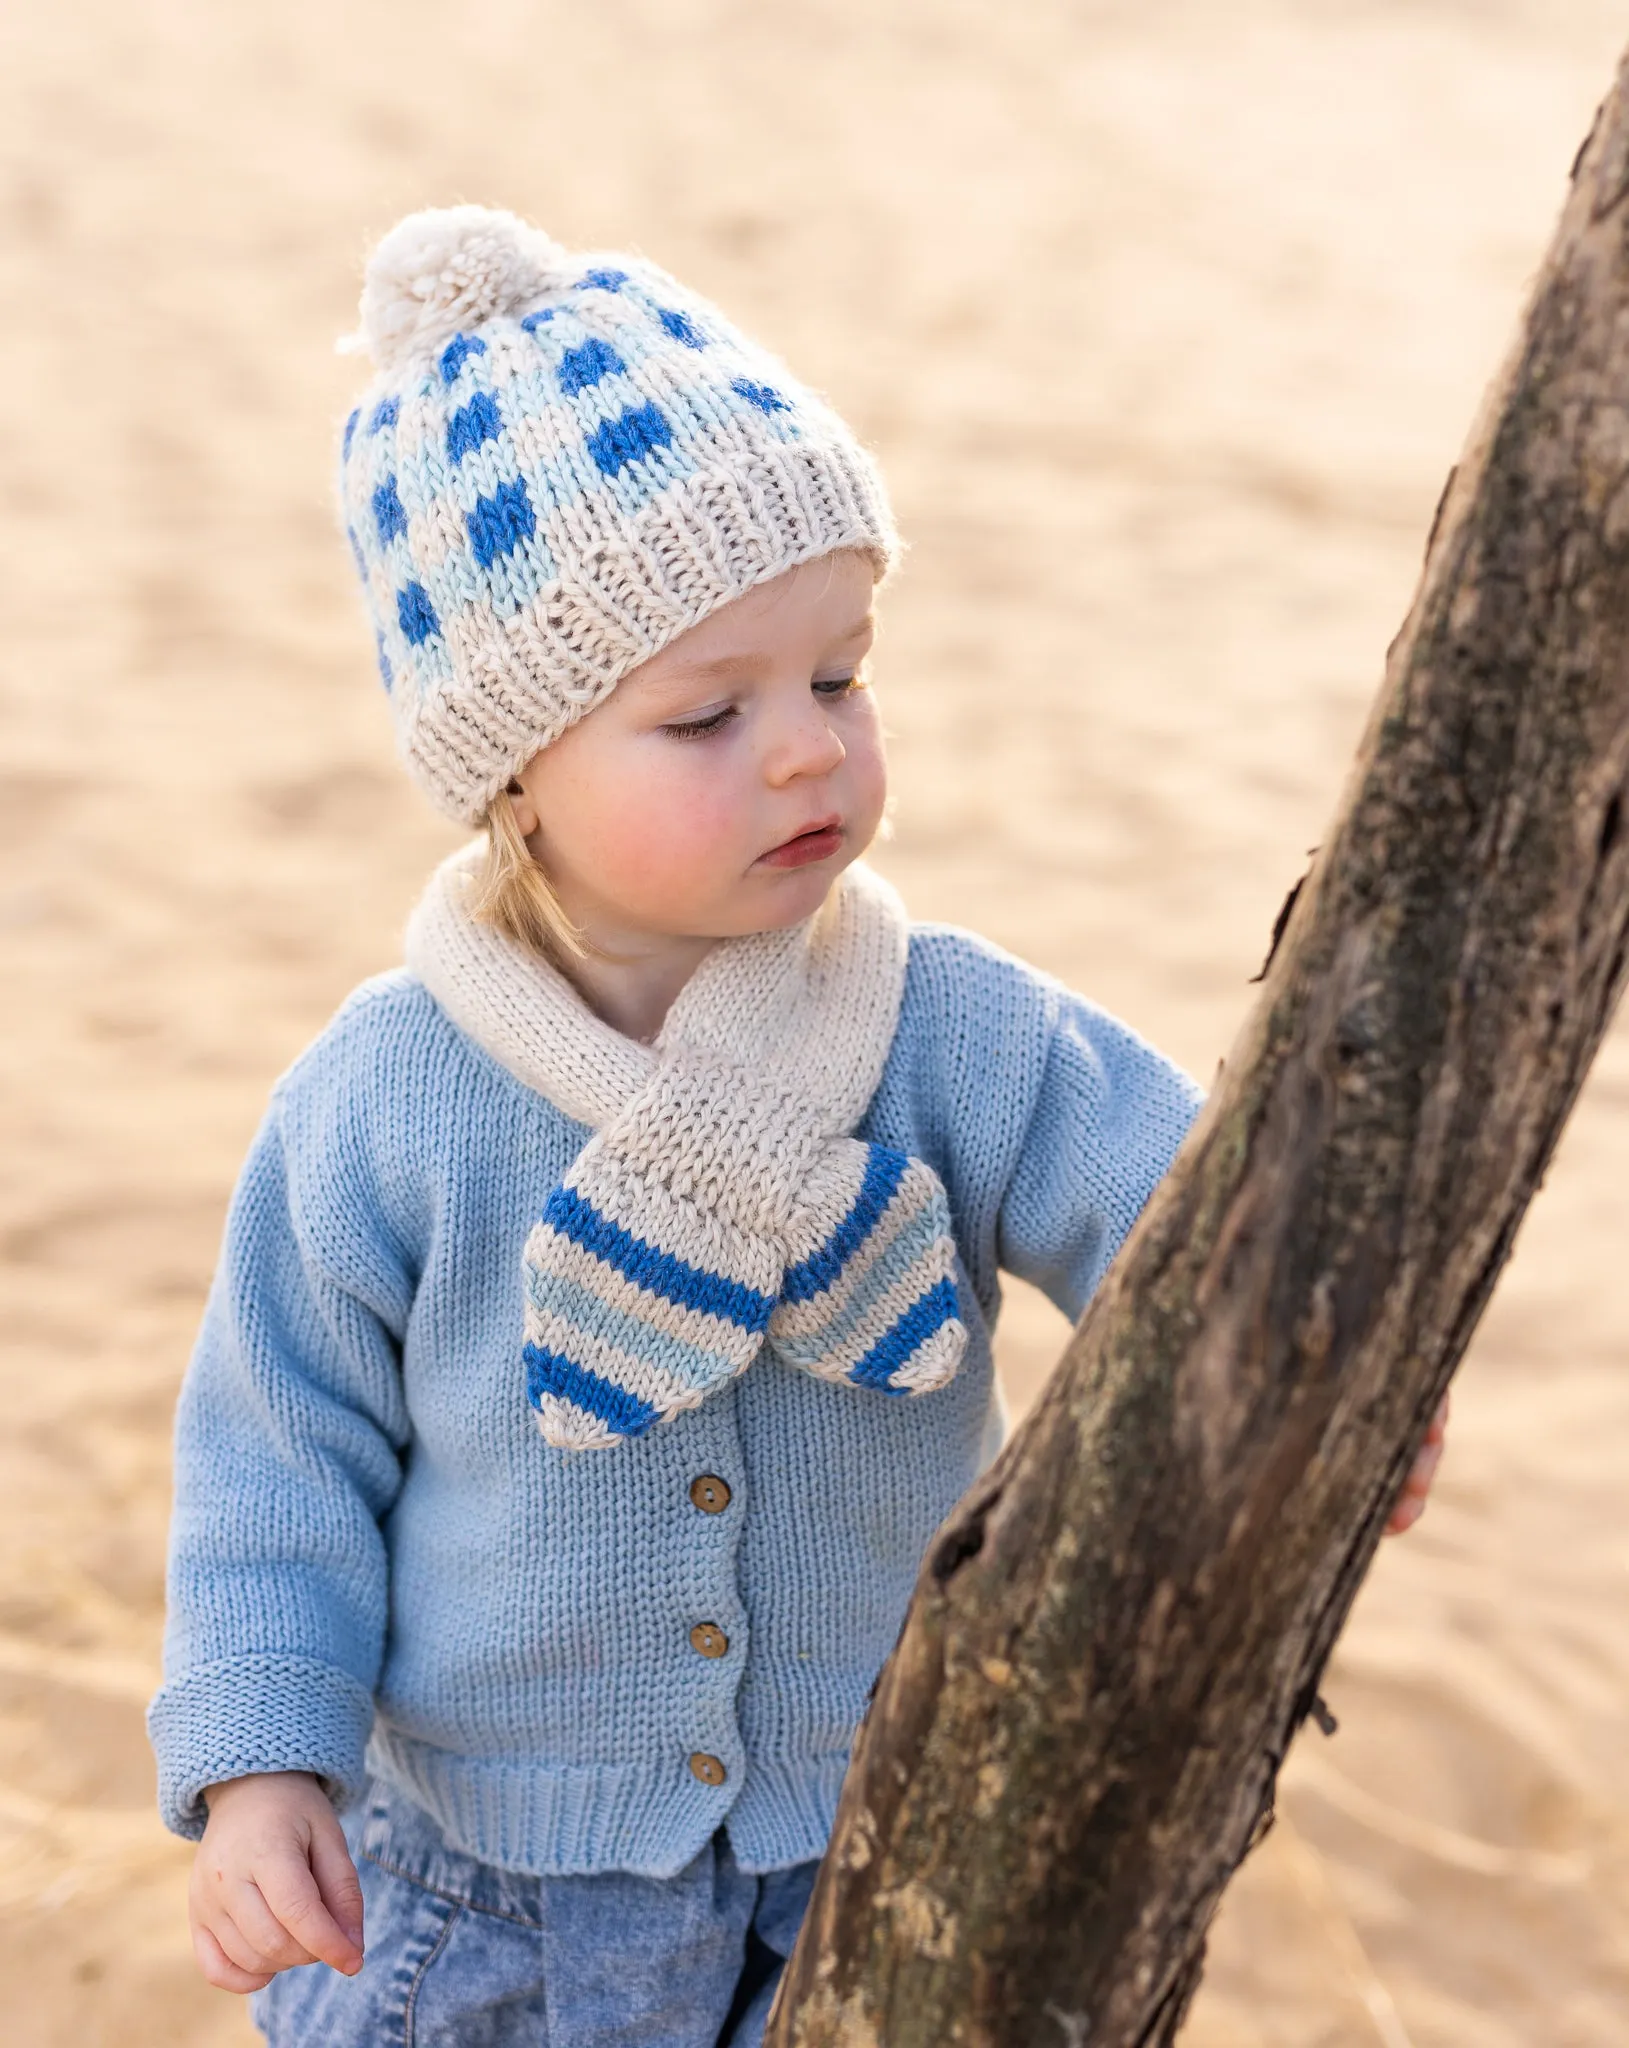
(1117, 1632)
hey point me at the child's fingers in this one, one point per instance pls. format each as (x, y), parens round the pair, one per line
(220, 1970)
(1417, 1486)
(270, 1945)
(337, 1881)
(1406, 1513)
(1424, 1469)
(288, 1887)
(240, 1949)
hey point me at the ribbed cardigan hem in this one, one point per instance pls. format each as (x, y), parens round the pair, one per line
(647, 1818)
(785, 1812)
(260, 1712)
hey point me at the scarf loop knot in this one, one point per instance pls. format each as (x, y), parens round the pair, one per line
(721, 1204)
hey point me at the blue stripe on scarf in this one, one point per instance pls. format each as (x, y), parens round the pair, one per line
(658, 1272)
(898, 1261)
(931, 1312)
(548, 1373)
(884, 1170)
(693, 1365)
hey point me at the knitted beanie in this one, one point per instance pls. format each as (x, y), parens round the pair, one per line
(562, 463)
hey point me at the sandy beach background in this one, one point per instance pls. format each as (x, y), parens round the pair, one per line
(1167, 320)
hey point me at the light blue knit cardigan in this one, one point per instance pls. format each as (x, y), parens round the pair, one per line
(369, 1532)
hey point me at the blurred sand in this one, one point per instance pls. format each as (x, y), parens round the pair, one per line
(1167, 320)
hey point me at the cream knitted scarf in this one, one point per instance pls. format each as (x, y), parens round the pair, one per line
(721, 1203)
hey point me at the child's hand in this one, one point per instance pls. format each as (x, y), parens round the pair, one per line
(273, 1884)
(1411, 1502)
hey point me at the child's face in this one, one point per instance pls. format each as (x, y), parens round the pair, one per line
(726, 782)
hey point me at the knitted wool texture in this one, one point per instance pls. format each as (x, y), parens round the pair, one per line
(563, 463)
(369, 1531)
(720, 1203)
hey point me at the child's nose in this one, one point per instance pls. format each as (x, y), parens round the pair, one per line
(809, 746)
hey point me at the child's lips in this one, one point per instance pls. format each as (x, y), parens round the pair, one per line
(820, 842)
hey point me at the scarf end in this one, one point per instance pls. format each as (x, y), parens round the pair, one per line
(933, 1364)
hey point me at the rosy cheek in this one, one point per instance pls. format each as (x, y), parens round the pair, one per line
(867, 759)
(669, 825)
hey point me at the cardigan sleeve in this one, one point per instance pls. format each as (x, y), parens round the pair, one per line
(289, 1437)
(1106, 1123)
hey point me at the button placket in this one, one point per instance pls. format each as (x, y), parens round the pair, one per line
(714, 1498)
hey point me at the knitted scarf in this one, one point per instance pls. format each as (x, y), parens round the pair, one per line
(720, 1204)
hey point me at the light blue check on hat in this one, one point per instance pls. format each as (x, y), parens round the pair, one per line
(563, 463)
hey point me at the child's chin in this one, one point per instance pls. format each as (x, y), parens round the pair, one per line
(790, 899)
(801, 891)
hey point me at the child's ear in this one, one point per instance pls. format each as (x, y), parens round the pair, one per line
(525, 811)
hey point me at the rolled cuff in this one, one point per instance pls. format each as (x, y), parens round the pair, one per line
(245, 1715)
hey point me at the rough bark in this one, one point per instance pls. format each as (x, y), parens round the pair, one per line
(1116, 1633)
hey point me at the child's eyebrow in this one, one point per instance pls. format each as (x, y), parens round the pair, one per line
(719, 670)
(726, 666)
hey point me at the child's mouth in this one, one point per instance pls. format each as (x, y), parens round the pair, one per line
(817, 844)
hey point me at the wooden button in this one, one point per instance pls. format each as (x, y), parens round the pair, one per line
(709, 1639)
(707, 1768)
(710, 1494)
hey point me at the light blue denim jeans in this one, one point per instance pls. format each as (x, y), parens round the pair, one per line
(461, 1955)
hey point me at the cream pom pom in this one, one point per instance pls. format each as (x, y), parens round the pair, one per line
(447, 268)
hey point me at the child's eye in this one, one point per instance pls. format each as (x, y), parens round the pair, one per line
(698, 728)
(835, 686)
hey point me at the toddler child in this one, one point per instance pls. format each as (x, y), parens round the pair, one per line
(673, 1130)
